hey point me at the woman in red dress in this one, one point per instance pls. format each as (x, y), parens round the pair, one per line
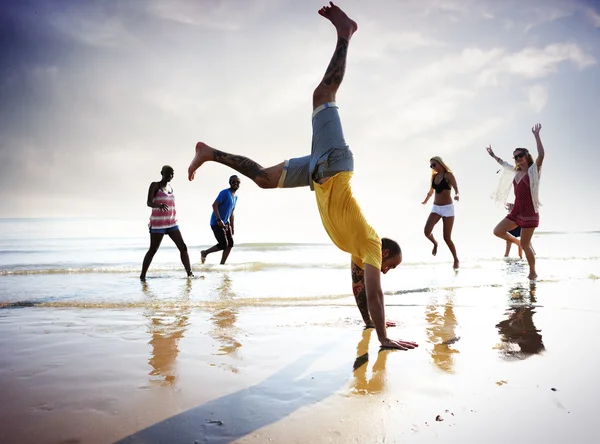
(525, 211)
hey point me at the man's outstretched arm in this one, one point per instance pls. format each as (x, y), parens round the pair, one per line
(376, 308)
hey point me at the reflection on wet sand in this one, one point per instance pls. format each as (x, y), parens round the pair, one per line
(168, 323)
(441, 333)
(519, 335)
(224, 317)
(375, 384)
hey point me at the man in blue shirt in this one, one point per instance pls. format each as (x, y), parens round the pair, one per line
(221, 220)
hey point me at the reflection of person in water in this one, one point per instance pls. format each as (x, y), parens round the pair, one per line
(441, 332)
(224, 318)
(375, 384)
(520, 338)
(168, 323)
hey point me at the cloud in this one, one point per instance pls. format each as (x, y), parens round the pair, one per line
(221, 15)
(593, 16)
(537, 96)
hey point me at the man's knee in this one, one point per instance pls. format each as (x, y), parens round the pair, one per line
(182, 247)
(447, 239)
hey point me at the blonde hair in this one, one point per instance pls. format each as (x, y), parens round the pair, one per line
(439, 160)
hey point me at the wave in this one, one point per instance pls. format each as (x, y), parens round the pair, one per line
(21, 270)
(103, 268)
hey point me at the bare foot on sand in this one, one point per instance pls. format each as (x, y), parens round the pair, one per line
(532, 276)
(344, 25)
(202, 255)
(203, 153)
(434, 251)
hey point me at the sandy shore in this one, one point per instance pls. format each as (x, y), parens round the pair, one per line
(496, 364)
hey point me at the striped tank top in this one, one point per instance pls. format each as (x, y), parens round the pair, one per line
(160, 218)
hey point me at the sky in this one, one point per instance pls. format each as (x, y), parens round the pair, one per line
(97, 96)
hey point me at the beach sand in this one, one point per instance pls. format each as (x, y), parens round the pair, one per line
(497, 364)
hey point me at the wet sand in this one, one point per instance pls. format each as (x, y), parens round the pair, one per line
(497, 364)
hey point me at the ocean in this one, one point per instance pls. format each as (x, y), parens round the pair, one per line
(96, 263)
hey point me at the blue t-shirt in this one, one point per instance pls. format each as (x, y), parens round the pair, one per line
(227, 203)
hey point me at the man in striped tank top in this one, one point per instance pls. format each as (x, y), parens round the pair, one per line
(163, 220)
(327, 171)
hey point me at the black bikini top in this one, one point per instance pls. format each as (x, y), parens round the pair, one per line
(439, 187)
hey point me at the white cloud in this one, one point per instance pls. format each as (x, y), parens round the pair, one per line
(222, 15)
(92, 28)
(537, 96)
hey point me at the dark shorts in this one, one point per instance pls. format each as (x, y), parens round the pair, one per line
(164, 230)
(223, 236)
(516, 232)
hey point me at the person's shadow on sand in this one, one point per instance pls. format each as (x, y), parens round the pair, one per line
(233, 416)
(518, 333)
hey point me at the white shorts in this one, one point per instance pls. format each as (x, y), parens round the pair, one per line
(443, 210)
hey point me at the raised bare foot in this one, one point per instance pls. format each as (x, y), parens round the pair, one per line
(456, 264)
(203, 153)
(344, 25)
(202, 256)
(434, 251)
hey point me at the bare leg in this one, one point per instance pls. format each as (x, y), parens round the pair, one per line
(225, 254)
(212, 249)
(508, 245)
(183, 251)
(261, 176)
(345, 27)
(521, 251)
(448, 224)
(502, 231)
(526, 235)
(433, 219)
(155, 240)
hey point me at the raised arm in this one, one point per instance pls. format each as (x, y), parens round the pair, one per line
(377, 310)
(491, 153)
(453, 184)
(152, 190)
(540, 148)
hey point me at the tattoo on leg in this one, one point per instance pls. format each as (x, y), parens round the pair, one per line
(337, 66)
(241, 164)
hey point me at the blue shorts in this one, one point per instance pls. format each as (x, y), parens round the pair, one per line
(329, 154)
(164, 230)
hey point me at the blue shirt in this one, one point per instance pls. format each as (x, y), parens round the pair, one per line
(227, 203)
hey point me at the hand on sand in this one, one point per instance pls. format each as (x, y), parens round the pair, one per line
(399, 345)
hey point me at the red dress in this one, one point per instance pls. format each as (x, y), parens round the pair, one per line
(523, 213)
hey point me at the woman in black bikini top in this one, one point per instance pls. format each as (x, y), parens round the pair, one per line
(442, 181)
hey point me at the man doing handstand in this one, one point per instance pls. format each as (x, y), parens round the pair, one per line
(328, 171)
